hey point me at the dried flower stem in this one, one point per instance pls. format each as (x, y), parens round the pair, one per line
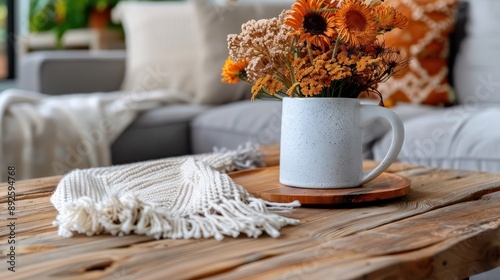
(334, 53)
(296, 89)
(309, 51)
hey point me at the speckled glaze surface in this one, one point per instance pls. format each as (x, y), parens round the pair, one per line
(321, 142)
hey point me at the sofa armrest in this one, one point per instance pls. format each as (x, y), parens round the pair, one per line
(63, 72)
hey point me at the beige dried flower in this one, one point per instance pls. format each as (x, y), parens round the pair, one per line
(265, 44)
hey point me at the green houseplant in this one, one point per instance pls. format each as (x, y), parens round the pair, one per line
(60, 16)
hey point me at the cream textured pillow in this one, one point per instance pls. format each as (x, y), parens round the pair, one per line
(215, 22)
(161, 45)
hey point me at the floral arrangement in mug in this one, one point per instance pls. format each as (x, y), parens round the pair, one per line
(317, 48)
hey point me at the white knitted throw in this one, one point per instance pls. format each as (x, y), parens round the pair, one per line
(45, 135)
(183, 197)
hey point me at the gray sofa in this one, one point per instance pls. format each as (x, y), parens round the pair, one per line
(163, 132)
(159, 133)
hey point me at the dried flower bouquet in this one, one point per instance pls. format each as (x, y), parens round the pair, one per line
(317, 48)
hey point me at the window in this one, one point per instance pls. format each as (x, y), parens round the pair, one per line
(6, 34)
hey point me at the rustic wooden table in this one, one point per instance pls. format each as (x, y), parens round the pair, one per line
(447, 227)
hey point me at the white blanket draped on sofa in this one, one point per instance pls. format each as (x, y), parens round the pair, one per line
(45, 135)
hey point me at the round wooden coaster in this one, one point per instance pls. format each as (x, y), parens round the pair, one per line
(264, 183)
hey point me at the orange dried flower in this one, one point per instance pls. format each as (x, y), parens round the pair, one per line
(313, 22)
(399, 21)
(267, 84)
(388, 18)
(233, 72)
(384, 15)
(355, 23)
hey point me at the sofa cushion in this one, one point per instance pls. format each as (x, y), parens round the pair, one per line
(158, 133)
(477, 68)
(460, 137)
(72, 71)
(425, 42)
(377, 128)
(162, 48)
(234, 124)
(214, 23)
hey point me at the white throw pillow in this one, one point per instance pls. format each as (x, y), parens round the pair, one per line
(215, 22)
(162, 48)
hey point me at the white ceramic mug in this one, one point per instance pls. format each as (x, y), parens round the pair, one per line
(321, 142)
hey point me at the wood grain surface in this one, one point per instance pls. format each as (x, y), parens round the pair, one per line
(447, 227)
(264, 183)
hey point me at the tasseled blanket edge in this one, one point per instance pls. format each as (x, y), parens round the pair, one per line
(129, 215)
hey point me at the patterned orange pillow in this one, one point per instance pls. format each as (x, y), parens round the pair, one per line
(425, 41)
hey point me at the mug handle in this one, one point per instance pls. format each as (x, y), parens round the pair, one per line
(367, 114)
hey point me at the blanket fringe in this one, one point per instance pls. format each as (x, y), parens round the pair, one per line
(245, 156)
(128, 214)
